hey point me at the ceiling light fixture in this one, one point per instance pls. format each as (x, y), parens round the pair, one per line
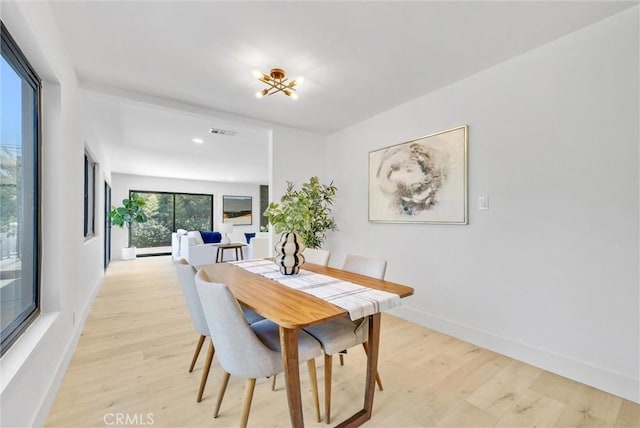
(276, 81)
(198, 140)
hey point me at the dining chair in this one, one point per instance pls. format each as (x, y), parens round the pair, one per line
(367, 266)
(186, 276)
(341, 334)
(248, 350)
(316, 256)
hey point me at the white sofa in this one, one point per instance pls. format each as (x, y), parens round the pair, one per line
(189, 246)
(258, 248)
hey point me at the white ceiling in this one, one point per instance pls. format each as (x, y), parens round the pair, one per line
(358, 59)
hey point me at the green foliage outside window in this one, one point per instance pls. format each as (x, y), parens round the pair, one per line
(167, 212)
(10, 162)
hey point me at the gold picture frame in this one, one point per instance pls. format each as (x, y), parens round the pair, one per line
(421, 181)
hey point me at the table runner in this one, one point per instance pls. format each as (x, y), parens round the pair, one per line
(359, 301)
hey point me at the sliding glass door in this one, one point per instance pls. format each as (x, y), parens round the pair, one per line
(166, 213)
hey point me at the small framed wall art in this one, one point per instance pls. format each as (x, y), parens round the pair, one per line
(237, 210)
(421, 181)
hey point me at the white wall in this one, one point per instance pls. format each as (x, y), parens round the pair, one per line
(71, 267)
(296, 156)
(549, 275)
(122, 183)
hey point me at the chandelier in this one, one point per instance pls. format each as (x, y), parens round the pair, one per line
(277, 81)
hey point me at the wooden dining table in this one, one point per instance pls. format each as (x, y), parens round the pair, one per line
(292, 310)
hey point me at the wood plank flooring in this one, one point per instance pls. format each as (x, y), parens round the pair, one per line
(131, 369)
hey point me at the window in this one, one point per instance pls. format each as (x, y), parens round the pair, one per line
(89, 196)
(168, 212)
(19, 192)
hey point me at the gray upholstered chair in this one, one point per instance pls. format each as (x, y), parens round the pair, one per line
(249, 351)
(186, 276)
(375, 268)
(316, 256)
(338, 335)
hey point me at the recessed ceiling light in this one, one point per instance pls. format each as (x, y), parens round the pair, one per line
(198, 140)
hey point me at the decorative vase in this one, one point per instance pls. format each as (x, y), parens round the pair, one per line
(289, 253)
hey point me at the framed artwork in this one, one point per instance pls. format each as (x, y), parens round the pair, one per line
(237, 210)
(421, 181)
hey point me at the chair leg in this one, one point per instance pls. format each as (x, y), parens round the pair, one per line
(273, 382)
(311, 365)
(223, 389)
(378, 380)
(205, 371)
(248, 396)
(328, 361)
(197, 352)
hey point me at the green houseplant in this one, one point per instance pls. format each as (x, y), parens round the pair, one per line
(131, 211)
(303, 218)
(306, 212)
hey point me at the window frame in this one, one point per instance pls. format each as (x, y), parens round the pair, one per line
(12, 53)
(90, 165)
(174, 194)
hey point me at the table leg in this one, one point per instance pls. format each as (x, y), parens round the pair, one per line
(218, 254)
(372, 368)
(289, 349)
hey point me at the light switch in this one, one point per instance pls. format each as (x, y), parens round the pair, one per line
(483, 202)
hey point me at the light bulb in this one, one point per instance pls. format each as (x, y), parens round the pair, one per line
(299, 80)
(198, 140)
(257, 74)
(294, 96)
(259, 94)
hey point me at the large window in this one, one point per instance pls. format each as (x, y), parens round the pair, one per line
(19, 201)
(168, 212)
(89, 196)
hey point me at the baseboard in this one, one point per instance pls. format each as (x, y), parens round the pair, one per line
(598, 377)
(56, 382)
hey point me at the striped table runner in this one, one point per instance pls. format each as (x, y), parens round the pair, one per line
(359, 301)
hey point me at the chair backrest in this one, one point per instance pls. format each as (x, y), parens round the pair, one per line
(368, 266)
(239, 350)
(316, 256)
(187, 275)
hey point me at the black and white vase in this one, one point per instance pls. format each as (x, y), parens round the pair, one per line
(289, 253)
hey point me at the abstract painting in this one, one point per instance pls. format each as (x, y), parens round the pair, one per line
(420, 181)
(237, 210)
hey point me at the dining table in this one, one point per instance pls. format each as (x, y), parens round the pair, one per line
(293, 310)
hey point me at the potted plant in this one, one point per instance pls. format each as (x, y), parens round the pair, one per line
(130, 212)
(303, 218)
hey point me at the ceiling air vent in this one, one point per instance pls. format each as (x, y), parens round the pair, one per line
(218, 131)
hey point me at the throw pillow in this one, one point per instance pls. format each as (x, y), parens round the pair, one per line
(197, 238)
(210, 237)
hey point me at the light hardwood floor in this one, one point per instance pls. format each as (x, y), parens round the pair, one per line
(133, 357)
